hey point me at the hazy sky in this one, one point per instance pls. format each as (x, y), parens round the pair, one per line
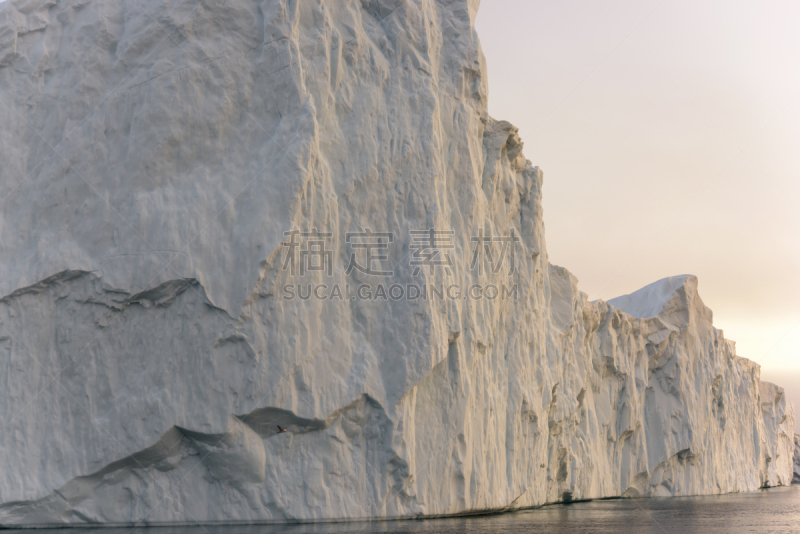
(669, 136)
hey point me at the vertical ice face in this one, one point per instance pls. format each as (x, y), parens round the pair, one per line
(157, 156)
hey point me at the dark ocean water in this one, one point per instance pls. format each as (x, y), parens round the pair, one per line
(773, 510)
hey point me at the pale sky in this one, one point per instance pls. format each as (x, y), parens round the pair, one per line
(669, 137)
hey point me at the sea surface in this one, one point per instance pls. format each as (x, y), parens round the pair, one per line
(771, 510)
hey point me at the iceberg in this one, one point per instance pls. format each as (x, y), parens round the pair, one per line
(796, 477)
(194, 197)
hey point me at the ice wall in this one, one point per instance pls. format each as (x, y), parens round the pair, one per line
(155, 154)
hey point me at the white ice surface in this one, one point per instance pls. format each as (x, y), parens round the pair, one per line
(154, 152)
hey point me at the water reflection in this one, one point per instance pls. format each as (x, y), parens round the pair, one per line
(774, 510)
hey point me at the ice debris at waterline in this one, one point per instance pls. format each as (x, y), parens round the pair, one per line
(179, 175)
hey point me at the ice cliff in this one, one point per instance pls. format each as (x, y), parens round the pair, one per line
(796, 478)
(157, 156)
